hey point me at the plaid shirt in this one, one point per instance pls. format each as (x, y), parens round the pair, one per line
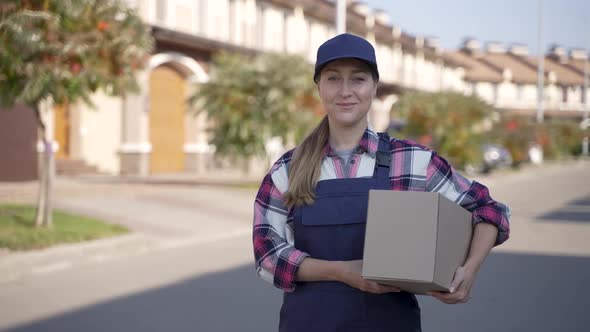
(413, 168)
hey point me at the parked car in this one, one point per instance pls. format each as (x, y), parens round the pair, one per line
(495, 156)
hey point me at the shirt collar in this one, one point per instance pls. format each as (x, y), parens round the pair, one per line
(368, 144)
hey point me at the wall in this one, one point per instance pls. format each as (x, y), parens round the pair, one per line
(100, 132)
(18, 144)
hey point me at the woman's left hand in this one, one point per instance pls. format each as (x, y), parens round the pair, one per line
(460, 287)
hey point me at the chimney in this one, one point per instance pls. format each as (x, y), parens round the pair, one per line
(361, 8)
(471, 46)
(396, 31)
(434, 43)
(419, 41)
(578, 54)
(519, 49)
(557, 52)
(495, 47)
(382, 17)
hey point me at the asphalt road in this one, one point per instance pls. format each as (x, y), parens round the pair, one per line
(537, 281)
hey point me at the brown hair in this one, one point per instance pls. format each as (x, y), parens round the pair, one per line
(305, 166)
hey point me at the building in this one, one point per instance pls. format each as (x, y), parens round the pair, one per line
(506, 77)
(152, 132)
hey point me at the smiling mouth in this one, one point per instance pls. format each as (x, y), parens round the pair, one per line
(346, 104)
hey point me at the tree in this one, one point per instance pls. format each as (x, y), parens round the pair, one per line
(63, 51)
(451, 123)
(252, 99)
(558, 138)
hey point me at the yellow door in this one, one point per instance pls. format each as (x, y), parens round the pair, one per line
(167, 110)
(62, 130)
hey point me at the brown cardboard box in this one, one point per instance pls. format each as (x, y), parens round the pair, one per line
(415, 240)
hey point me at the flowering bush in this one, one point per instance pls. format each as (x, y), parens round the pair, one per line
(451, 123)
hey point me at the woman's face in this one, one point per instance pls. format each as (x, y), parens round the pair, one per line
(347, 89)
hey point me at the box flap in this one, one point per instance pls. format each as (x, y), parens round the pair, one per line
(453, 240)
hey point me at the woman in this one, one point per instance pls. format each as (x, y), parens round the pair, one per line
(310, 250)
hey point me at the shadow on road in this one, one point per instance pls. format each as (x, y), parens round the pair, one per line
(514, 292)
(577, 210)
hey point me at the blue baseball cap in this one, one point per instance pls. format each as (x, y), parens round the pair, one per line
(345, 46)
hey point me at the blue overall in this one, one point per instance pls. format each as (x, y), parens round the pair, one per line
(333, 228)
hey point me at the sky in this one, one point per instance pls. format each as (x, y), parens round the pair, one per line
(565, 22)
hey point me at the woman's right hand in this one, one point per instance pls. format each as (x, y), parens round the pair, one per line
(350, 273)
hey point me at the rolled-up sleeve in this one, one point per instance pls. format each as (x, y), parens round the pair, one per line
(472, 195)
(277, 260)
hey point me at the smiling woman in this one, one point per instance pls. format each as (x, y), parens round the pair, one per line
(347, 88)
(309, 223)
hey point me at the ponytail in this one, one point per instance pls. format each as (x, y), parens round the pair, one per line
(305, 167)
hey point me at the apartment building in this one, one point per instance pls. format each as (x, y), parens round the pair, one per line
(506, 77)
(152, 132)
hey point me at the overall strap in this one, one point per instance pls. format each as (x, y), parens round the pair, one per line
(383, 158)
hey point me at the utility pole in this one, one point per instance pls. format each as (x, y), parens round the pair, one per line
(340, 16)
(586, 107)
(541, 70)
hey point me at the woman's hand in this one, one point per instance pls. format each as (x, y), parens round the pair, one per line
(460, 287)
(350, 274)
(484, 237)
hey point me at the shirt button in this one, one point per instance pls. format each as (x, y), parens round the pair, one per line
(352, 161)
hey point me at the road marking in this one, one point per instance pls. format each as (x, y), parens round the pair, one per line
(200, 240)
(44, 269)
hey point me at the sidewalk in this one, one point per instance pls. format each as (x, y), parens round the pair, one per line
(161, 211)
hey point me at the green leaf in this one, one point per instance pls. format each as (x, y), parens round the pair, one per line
(69, 49)
(251, 99)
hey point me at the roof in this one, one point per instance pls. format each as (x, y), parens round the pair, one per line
(325, 10)
(577, 65)
(565, 75)
(475, 70)
(522, 72)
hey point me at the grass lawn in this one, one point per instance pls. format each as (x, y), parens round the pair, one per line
(17, 230)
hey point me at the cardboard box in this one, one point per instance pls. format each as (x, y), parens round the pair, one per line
(415, 240)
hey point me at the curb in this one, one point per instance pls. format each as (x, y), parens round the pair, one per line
(17, 265)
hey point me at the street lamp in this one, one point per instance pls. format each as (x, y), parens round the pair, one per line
(340, 16)
(585, 123)
(541, 71)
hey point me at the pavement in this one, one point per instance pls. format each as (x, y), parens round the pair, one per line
(179, 210)
(162, 212)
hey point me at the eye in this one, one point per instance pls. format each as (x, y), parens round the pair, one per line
(360, 78)
(333, 78)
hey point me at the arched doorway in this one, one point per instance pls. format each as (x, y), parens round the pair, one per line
(167, 94)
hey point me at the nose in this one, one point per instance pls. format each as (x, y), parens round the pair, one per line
(345, 89)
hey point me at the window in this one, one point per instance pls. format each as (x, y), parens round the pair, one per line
(260, 24)
(495, 93)
(202, 17)
(583, 93)
(233, 20)
(473, 88)
(519, 92)
(285, 36)
(161, 12)
(564, 94)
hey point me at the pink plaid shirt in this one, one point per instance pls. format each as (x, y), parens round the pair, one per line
(413, 168)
